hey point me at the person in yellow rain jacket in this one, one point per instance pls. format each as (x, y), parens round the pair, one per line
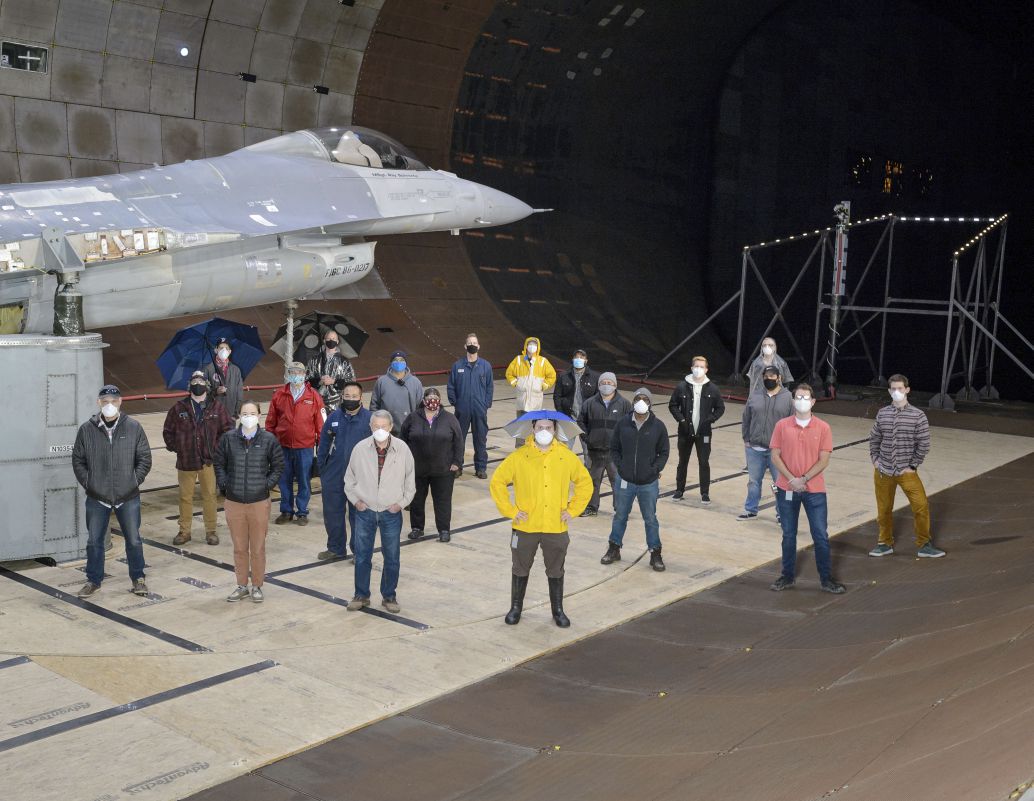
(541, 472)
(532, 374)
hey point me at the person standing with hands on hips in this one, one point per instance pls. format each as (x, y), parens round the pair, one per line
(470, 393)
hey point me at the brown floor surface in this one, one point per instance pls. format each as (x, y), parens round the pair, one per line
(916, 684)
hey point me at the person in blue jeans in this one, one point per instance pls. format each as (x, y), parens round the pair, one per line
(639, 449)
(765, 407)
(345, 427)
(470, 390)
(111, 458)
(380, 481)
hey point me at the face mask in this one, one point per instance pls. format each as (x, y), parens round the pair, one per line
(699, 372)
(350, 405)
(224, 353)
(543, 437)
(330, 344)
(109, 410)
(296, 379)
(770, 383)
(249, 421)
(606, 390)
(381, 434)
(472, 348)
(897, 395)
(432, 403)
(532, 348)
(578, 363)
(398, 367)
(802, 404)
(198, 390)
(768, 350)
(641, 406)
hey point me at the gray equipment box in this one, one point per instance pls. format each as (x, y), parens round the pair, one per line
(49, 385)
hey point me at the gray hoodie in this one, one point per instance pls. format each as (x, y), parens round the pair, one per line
(398, 396)
(761, 414)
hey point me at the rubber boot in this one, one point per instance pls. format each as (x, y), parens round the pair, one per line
(517, 589)
(556, 600)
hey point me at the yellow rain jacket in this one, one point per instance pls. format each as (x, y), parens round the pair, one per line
(531, 375)
(541, 486)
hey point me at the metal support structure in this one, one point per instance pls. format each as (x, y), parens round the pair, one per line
(880, 379)
(843, 213)
(290, 307)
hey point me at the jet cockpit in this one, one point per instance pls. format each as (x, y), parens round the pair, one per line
(351, 145)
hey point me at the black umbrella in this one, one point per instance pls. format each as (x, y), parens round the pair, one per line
(309, 330)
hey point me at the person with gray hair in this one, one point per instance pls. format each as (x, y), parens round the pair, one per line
(380, 481)
(598, 418)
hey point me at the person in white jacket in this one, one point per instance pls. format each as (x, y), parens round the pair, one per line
(380, 482)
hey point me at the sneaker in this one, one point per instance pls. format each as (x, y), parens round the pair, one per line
(323, 556)
(391, 605)
(139, 587)
(181, 539)
(481, 473)
(589, 512)
(416, 533)
(782, 583)
(256, 595)
(882, 550)
(677, 496)
(238, 594)
(929, 551)
(833, 586)
(302, 520)
(705, 500)
(212, 538)
(613, 554)
(747, 516)
(655, 560)
(88, 589)
(444, 536)
(358, 603)
(744, 469)
(285, 517)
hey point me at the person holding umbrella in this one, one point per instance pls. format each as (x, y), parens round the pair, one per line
(328, 371)
(436, 441)
(541, 472)
(296, 417)
(225, 378)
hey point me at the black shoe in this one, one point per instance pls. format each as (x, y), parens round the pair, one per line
(747, 516)
(655, 560)
(705, 499)
(481, 473)
(416, 533)
(556, 601)
(589, 512)
(782, 583)
(678, 495)
(833, 586)
(444, 536)
(613, 554)
(517, 587)
(285, 517)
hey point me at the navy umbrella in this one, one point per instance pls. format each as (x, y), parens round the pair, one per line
(521, 427)
(194, 347)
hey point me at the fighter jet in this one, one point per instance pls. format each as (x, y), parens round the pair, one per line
(283, 219)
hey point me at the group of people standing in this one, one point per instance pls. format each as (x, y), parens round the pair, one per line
(376, 462)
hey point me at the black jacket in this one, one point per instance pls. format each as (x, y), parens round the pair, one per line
(640, 453)
(598, 420)
(112, 470)
(246, 470)
(563, 394)
(712, 407)
(436, 447)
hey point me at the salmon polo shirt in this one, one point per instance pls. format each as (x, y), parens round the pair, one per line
(799, 448)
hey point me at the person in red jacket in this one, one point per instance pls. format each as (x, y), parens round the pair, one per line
(295, 417)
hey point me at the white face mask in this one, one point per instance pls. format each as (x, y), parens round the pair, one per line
(767, 350)
(802, 404)
(532, 348)
(606, 390)
(543, 437)
(224, 353)
(109, 410)
(381, 434)
(641, 406)
(897, 395)
(699, 372)
(249, 421)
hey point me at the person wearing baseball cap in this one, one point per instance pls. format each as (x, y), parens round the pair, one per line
(397, 391)
(111, 458)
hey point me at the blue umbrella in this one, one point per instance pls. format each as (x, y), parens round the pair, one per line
(194, 347)
(521, 427)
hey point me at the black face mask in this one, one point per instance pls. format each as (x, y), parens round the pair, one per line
(330, 344)
(350, 405)
(472, 348)
(198, 389)
(771, 383)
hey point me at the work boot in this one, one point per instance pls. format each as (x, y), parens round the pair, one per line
(482, 474)
(182, 538)
(285, 517)
(613, 554)
(302, 520)
(416, 534)
(556, 601)
(655, 560)
(518, 586)
(212, 538)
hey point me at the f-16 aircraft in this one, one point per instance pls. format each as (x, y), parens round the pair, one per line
(285, 218)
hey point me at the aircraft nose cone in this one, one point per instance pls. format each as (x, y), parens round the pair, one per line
(501, 208)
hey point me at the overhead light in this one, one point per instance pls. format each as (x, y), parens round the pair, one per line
(184, 52)
(247, 77)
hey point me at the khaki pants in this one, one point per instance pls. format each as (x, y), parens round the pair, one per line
(554, 550)
(188, 478)
(248, 524)
(886, 487)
